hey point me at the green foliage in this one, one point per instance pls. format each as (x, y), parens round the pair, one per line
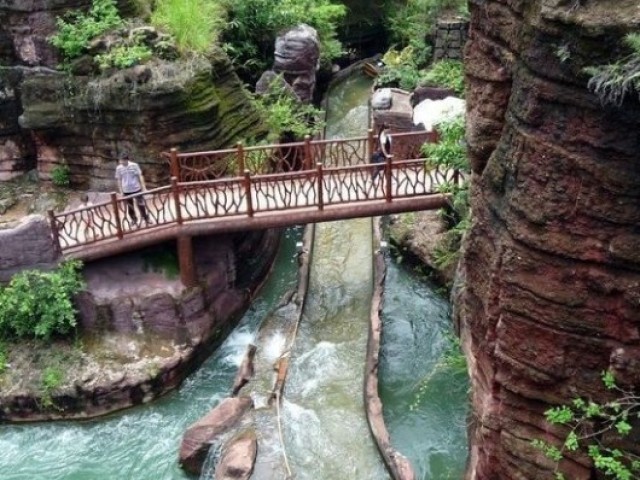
(412, 21)
(124, 56)
(284, 114)
(450, 154)
(447, 74)
(40, 304)
(77, 29)
(196, 25)
(613, 82)
(593, 427)
(401, 69)
(4, 359)
(254, 25)
(61, 176)
(52, 378)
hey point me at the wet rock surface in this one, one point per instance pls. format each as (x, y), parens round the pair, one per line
(549, 276)
(199, 436)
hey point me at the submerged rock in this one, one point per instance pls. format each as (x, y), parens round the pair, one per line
(199, 436)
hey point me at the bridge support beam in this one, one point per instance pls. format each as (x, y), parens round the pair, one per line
(186, 261)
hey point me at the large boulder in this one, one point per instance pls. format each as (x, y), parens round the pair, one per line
(199, 436)
(238, 458)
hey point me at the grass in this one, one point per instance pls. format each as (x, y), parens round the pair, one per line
(196, 25)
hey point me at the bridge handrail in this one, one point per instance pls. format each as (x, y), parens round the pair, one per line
(247, 195)
(206, 165)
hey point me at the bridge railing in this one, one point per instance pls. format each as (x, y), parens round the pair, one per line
(286, 157)
(246, 196)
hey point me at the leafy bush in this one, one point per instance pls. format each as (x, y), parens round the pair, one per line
(450, 153)
(284, 114)
(195, 24)
(76, 30)
(413, 20)
(4, 360)
(447, 74)
(60, 176)
(40, 304)
(612, 83)
(596, 429)
(124, 56)
(401, 69)
(254, 25)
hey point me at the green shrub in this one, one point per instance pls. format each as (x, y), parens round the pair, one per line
(76, 30)
(61, 176)
(447, 74)
(284, 114)
(4, 360)
(596, 429)
(612, 83)
(124, 56)
(412, 21)
(254, 25)
(40, 304)
(450, 153)
(401, 69)
(195, 24)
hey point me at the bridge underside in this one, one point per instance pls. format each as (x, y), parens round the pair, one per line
(260, 221)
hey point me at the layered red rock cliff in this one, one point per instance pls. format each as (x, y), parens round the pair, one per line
(550, 276)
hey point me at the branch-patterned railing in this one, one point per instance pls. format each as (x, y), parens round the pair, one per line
(248, 195)
(286, 157)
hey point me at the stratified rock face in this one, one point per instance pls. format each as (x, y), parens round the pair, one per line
(85, 123)
(551, 271)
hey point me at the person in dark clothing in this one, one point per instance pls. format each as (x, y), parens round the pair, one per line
(383, 151)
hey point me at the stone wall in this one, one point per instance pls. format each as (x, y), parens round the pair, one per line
(450, 38)
(28, 245)
(550, 275)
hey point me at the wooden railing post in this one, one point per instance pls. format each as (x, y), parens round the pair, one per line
(240, 156)
(54, 229)
(370, 145)
(116, 214)
(175, 189)
(308, 158)
(387, 179)
(175, 163)
(320, 185)
(247, 189)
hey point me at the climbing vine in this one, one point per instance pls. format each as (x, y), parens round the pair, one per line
(593, 428)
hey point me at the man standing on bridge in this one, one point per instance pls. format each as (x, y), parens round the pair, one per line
(131, 182)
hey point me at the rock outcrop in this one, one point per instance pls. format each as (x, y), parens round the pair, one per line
(550, 271)
(85, 122)
(27, 246)
(238, 458)
(199, 436)
(297, 53)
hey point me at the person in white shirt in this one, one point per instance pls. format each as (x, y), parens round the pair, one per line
(131, 182)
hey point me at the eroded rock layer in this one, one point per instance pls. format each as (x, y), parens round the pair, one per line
(550, 278)
(49, 119)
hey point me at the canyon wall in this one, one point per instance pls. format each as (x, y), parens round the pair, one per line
(549, 283)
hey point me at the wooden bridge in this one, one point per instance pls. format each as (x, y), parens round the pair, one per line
(231, 190)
